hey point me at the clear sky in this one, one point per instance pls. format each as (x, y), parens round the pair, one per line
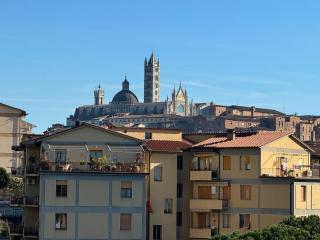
(261, 53)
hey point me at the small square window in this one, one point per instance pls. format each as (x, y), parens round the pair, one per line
(245, 192)
(61, 221)
(125, 222)
(61, 188)
(126, 189)
(303, 193)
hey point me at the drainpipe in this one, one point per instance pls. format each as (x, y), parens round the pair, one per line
(148, 197)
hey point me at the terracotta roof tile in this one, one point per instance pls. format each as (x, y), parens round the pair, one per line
(256, 140)
(166, 146)
(210, 141)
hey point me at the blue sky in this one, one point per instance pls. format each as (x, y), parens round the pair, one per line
(261, 53)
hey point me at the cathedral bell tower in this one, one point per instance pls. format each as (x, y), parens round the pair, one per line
(152, 80)
(98, 96)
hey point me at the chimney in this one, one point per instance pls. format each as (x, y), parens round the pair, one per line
(231, 134)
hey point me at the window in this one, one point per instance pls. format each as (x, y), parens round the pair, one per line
(95, 154)
(179, 190)
(245, 163)
(179, 219)
(179, 162)
(226, 162)
(61, 221)
(157, 173)
(157, 232)
(148, 135)
(125, 222)
(61, 188)
(61, 156)
(245, 192)
(168, 203)
(204, 192)
(244, 221)
(226, 192)
(126, 189)
(226, 220)
(180, 108)
(303, 193)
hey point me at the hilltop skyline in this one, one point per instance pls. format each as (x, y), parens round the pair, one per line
(54, 55)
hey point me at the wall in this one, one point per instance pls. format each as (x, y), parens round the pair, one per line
(93, 206)
(159, 191)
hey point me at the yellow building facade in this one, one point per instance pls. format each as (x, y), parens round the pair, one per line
(243, 183)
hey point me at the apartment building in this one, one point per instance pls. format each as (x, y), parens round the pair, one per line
(12, 128)
(86, 182)
(168, 186)
(247, 182)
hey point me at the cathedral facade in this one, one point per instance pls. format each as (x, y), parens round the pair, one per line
(126, 102)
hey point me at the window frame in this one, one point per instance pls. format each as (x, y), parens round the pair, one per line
(126, 192)
(57, 215)
(168, 206)
(226, 160)
(157, 232)
(160, 168)
(242, 221)
(179, 190)
(124, 228)
(180, 162)
(245, 192)
(226, 220)
(61, 188)
(303, 193)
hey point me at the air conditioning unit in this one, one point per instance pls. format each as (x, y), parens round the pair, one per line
(309, 173)
(31, 181)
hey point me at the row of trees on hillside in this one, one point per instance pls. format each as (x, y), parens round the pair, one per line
(293, 228)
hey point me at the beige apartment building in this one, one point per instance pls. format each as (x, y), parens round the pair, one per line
(12, 128)
(86, 182)
(248, 182)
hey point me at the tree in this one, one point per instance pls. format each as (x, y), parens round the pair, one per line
(15, 186)
(4, 178)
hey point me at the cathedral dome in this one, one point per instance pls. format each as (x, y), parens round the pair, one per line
(125, 95)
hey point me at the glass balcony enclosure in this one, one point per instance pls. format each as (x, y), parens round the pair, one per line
(84, 157)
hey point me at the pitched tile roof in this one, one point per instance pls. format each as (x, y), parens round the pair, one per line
(210, 141)
(256, 140)
(166, 146)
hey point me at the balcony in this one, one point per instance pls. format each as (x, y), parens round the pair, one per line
(203, 175)
(31, 201)
(15, 229)
(16, 201)
(201, 233)
(17, 171)
(299, 171)
(134, 167)
(208, 204)
(30, 232)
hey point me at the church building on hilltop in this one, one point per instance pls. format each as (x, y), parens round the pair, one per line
(126, 102)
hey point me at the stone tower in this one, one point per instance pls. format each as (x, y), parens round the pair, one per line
(98, 96)
(152, 80)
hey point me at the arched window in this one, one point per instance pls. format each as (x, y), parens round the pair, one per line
(180, 108)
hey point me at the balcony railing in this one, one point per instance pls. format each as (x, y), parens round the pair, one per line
(302, 171)
(203, 175)
(17, 171)
(30, 232)
(31, 201)
(16, 201)
(15, 228)
(129, 167)
(208, 204)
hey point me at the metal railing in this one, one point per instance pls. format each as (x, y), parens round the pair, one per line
(31, 201)
(296, 172)
(30, 231)
(16, 201)
(130, 167)
(15, 228)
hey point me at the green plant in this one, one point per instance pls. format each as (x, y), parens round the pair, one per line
(15, 186)
(4, 178)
